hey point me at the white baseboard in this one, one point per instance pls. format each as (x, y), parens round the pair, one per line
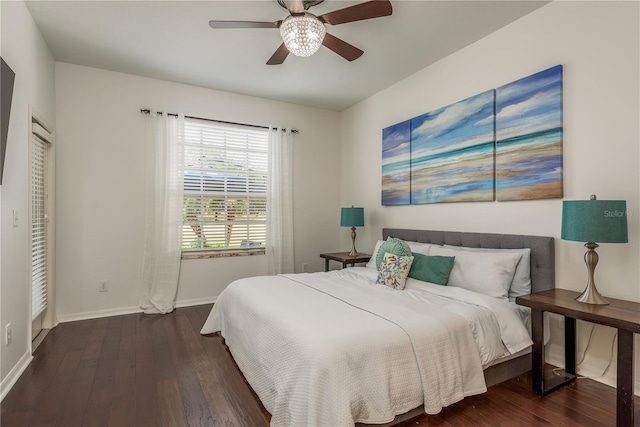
(9, 381)
(62, 318)
(196, 301)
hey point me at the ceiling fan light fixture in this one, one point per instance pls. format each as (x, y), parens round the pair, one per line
(302, 35)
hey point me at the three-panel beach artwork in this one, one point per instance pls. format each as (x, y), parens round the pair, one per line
(502, 144)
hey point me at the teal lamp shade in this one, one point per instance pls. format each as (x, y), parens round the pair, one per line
(598, 221)
(593, 221)
(352, 217)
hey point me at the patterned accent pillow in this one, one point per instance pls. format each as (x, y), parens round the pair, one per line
(394, 246)
(394, 270)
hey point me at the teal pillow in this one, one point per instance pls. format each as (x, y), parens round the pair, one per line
(432, 269)
(393, 246)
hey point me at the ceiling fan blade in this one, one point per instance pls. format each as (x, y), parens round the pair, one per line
(341, 47)
(243, 24)
(279, 56)
(358, 12)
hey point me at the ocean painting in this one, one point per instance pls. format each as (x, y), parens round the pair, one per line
(396, 154)
(529, 137)
(452, 152)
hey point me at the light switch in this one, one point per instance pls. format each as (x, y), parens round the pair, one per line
(15, 218)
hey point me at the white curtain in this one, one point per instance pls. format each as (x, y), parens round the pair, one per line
(280, 203)
(163, 211)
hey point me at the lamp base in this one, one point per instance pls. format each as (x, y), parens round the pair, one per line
(591, 294)
(353, 252)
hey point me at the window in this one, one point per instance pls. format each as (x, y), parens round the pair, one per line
(41, 140)
(225, 188)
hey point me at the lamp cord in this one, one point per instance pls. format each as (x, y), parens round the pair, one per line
(584, 354)
(610, 359)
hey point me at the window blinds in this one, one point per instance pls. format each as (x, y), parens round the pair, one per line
(225, 186)
(40, 140)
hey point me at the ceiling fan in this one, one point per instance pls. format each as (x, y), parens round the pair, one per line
(303, 33)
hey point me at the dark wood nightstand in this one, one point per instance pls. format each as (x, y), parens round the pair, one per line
(344, 258)
(623, 315)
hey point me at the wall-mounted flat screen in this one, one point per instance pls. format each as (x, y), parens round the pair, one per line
(7, 77)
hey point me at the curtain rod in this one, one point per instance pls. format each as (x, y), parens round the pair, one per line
(147, 111)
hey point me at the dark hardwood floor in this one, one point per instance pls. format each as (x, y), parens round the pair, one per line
(152, 370)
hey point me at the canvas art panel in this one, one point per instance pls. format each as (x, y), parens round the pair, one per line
(452, 152)
(396, 157)
(529, 137)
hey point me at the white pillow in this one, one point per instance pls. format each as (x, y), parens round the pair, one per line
(488, 273)
(372, 261)
(521, 283)
(421, 248)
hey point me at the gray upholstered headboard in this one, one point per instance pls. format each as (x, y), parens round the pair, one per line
(543, 264)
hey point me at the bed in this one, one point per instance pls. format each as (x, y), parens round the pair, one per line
(336, 349)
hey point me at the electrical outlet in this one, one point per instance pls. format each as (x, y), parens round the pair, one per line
(103, 286)
(561, 323)
(15, 217)
(7, 334)
(305, 267)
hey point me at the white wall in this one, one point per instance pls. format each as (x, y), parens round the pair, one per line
(24, 49)
(100, 197)
(598, 44)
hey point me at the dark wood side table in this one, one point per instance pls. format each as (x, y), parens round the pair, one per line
(344, 258)
(623, 315)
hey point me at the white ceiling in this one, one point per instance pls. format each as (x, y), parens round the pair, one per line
(171, 40)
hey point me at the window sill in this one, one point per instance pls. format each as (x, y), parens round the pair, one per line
(222, 253)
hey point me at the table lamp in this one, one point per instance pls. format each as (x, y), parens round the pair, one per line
(592, 221)
(352, 217)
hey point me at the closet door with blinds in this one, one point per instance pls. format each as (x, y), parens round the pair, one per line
(41, 141)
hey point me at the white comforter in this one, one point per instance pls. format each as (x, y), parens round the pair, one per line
(333, 349)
